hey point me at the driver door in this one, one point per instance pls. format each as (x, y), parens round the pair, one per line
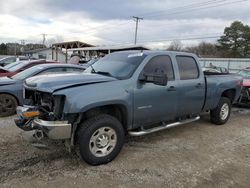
(155, 103)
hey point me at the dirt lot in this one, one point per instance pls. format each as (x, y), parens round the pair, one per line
(195, 155)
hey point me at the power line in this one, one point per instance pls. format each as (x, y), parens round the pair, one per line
(191, 38)
(186, 37)
(180, 7)
(198, 8)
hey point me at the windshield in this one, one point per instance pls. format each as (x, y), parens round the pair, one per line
(27, 73)
(8, 60)
(244, 73)
(92, 61)
(17, 66)
(11, 65)
(120, 65)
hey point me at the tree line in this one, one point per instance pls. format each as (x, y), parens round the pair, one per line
(18, 49)
(234, 43)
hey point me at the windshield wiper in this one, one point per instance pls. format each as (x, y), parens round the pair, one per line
(104, 73)
(92, 69)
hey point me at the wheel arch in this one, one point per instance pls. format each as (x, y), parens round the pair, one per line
(11, 94)
(229, 93)
(118, 111)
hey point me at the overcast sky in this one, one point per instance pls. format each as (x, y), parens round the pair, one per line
(109, 22)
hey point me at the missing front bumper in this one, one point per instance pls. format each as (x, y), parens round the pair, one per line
(56, 130)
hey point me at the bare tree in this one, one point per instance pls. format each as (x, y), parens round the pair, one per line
(54, 40)
(175, 45)
(204, 49)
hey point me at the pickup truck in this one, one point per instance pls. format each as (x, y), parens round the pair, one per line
(125, 93)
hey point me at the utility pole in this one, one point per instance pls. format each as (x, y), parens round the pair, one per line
(44, 38)
(136, 19)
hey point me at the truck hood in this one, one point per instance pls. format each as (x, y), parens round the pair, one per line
(52, 83)
(6, 81)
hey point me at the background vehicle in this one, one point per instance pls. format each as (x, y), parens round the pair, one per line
(222, 69)
(208, 69)
(11, 89)
(130, 92)
(215, 69)
(8, 60)
(89, 63)
(20, 66)
(245, 92)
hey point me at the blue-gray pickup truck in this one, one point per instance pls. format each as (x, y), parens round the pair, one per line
(129, 92)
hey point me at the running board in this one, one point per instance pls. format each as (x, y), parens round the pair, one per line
(165, 126)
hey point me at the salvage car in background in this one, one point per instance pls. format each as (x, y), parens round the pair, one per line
(244, 98)
(12, 59)
(20, 66)
(215, 69)
(208, 69)
(11, 88)
(89, 63)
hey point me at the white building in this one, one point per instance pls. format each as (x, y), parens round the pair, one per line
(47, 53)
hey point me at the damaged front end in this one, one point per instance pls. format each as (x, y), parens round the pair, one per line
(45, 117)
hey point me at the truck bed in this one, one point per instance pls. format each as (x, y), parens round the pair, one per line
(216, 83)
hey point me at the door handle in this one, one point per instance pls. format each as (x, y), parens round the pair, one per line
(198, 85)
(171, 88)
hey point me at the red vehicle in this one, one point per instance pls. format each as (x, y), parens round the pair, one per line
(245, 92)
(20, 66)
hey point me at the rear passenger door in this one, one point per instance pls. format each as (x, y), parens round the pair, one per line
(191, 86)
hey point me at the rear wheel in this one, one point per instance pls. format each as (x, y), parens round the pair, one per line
(221, 113)
(8, 105)
(100, 139)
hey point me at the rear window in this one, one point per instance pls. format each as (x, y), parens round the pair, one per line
(188, 68)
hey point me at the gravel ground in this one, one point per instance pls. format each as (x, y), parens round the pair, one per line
(195, 155)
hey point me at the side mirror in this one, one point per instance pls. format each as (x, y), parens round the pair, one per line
(158, 77)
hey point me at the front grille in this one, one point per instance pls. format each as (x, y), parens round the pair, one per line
(41, 99)
(51, 106)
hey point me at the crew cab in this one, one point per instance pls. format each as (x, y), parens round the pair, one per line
(129, 92)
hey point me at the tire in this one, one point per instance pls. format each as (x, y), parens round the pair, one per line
(221, 113)
(8, 105)
(100, 139)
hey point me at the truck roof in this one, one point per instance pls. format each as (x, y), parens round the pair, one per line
(156, 52)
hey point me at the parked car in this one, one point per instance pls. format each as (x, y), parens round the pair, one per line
(208, 69)
(245, 92)
(11, 89)
(222, 69)
(89, 63)
(11, 59)
(130, 92)
(216, 69)
(20, 66)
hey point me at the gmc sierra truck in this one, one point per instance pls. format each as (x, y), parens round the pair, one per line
(129, 92)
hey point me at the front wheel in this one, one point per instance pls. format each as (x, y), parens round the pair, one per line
(100, 139)
(8, 105)
(221, 113)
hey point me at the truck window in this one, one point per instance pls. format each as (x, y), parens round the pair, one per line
(188, 68)
(162, 62)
